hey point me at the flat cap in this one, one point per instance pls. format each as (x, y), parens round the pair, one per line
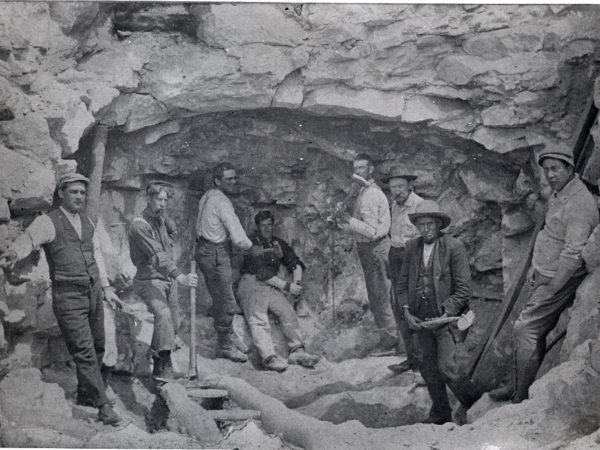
(556, 152)
(71, 178)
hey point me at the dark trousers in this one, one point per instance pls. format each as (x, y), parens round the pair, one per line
(440, 368)
(373, 260)
(396, 258)
(214, 261)
(80, 316)
(536, 320)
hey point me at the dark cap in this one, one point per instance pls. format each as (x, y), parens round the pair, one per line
(154, 187)
(555, 152)
(71, 178)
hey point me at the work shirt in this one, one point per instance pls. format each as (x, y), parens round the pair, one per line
(402, 230)
(370, 219)
(42, 231)
(266, 266)
(572, 216)
(151, 247)
(217, 221)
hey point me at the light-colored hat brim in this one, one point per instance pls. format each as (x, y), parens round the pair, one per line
(445, 218)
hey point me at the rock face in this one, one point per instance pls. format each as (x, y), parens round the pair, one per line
(460, 95)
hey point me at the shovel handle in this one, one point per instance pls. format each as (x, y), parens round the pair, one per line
(192, 367)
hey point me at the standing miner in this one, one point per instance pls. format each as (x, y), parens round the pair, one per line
(370, 224)
(151, 251)
(79, 284)
(217, 228)
(262, 289)
(436, 282)
(404, 202)
(557, 268)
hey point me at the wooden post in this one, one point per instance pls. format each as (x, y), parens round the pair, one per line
(97, 166)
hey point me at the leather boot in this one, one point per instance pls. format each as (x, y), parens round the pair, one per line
(107, 416)
(226, 350)
(302, 358)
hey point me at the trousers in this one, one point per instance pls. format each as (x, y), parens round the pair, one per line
(440, 368)
(537, 319)
(161, 298)
(80, 316)
(396, 258)
(374, 262)
(214, 261)
(257, 299)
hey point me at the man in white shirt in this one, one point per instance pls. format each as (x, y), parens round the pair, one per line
(370, 225)
(404, 202)
(217, 228)
(79, 284)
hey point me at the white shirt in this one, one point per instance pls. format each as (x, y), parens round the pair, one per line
(217, 221)
(427, 252)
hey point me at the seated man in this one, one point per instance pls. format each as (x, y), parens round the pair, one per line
(261, 290)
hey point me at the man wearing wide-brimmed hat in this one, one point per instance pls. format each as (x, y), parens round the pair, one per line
(151, 250)
(557, 267)
(436, 282)
(404, 202)
(79, 284)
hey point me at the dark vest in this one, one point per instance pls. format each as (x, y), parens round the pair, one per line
(71, 259)
(427, 302)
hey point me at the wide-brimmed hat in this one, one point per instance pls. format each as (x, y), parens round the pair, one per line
(71, 178)
(429, 208)
(398, 172)
(555, 152)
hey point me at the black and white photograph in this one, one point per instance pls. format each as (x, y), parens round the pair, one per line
(284, 226)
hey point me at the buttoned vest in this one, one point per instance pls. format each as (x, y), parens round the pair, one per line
(427, 306)
(71, 259)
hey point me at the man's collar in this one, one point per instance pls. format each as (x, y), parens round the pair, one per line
(67, 213)
(573, 186)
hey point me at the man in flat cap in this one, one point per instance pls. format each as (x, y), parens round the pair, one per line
(369, 225)
(556, 271)
(79, 284)
(217, 227)
(436, 282)
(404, 202)
(151, 250)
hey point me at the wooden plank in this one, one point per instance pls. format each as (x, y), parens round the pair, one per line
(234, 414)
(507, 305)
(582, 131)
(193, 392)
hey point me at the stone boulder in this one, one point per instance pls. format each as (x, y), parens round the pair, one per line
(26, 184)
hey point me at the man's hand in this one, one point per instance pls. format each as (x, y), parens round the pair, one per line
(414, 323)
(191, 279)
(8, 260)
(295, 289)
(342, 218)
(111, 297)
(432, 326)
(256, 251)
(277, 250)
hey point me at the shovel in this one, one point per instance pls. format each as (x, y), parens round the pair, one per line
(463, 322)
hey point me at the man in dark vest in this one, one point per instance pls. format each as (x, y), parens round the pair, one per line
(79, 284)
(151, 251)
(436, 282)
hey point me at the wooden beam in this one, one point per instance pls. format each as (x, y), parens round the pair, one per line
(195, 393)
(98, 154)
(234, 415)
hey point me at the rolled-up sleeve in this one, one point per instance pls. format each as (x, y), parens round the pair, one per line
(140, 235)
(372, 216)
(40, 232)
(234, 227)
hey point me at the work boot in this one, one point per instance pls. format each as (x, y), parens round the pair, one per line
(301, 358)
(107, 416)
(276, 363)
(502, 393)
(165, 370)
(437, 420)
(401, 367)
(226, 350)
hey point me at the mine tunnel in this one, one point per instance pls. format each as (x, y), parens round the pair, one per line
(464, 97)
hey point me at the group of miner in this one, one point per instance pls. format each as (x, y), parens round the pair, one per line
(414, 274)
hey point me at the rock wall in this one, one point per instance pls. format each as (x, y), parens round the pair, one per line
(462, 95)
